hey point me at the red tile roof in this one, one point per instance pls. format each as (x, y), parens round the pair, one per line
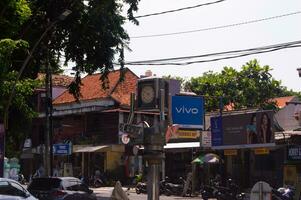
(91, 88)
(281, 101)
(57, 80)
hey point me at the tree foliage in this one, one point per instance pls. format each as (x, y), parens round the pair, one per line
(90, 36)
(21, 111)
(251, 87)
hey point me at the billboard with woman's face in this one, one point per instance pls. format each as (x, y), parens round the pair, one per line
(248, 129)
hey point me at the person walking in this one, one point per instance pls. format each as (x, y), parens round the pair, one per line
(187, 184)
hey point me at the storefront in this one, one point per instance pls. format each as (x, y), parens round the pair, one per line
(87, 159)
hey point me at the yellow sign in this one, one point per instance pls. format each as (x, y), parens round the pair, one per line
(290, 175)
(230, 152)
(191, 134)
(261, 151)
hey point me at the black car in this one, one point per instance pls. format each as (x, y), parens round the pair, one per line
(60, 188)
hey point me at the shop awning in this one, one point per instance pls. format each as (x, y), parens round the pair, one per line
(83, 149)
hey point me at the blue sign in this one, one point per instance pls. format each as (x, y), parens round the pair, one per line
(188, 111)
(216, 131)
(62, 149)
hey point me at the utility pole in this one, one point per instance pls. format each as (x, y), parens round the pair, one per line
(48, 151)
(152, 96)
(154, 151)
(47, 111)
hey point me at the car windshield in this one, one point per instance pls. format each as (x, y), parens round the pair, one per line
(44, 184)
(11, 189)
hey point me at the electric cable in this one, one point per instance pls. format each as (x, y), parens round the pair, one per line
(216, 59)
(219, 53)
(180, 9)
(217, 27)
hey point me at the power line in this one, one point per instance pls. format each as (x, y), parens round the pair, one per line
(218, 27)
(180, 9)
(219, 53)
(217, 59)
(226, 55)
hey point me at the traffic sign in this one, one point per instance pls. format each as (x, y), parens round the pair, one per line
(131, 134)
(125, 138)
(132, 130)
(62, 149)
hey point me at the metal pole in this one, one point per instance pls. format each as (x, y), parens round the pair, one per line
(50, 121)
(156, 150)
(153, 182)
(47, 129)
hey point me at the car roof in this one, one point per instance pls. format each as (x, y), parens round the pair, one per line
(60, 178)
(8, 179)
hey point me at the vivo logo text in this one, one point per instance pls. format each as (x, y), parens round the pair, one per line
(185, 110)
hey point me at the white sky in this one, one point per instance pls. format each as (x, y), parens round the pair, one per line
(275, 31)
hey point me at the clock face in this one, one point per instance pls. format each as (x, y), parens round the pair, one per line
(147, 94)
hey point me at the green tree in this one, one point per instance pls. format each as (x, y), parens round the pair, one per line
(90, 36)
(21, 111)
(251, 87)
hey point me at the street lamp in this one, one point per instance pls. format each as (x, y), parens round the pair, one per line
(61, 17)
(299, 71)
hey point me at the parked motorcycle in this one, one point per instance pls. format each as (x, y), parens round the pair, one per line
(216, 190)
(141, 187)
(283, 193)
(210, 190)
(21, 179)
(96, 182)
(176, 189)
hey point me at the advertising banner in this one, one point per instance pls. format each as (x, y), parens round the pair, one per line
(243, 130)
(294, 153)
(188, 111)
(216, 131)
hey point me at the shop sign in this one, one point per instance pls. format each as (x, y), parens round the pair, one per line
(230, 152)
(261, 151)
(62, 149)
(188, 134)
(188, 111)
(294, 152)
(206, 139)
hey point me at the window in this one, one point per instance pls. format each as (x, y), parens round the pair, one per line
(73, 185)
(11, 188)
(44, 184)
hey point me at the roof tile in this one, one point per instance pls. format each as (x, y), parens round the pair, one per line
(91, 88)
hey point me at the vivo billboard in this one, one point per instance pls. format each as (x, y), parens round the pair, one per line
(188, 111)
(243, 130)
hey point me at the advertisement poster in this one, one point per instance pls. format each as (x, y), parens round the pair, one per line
(294, 153)
(216, 131)
(244, 130)
(188, 111)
